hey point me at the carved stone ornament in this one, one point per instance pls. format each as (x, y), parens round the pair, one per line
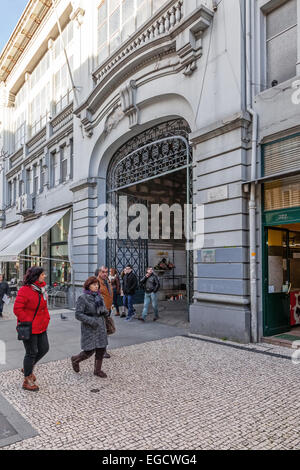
(113, 119)
(128, 102)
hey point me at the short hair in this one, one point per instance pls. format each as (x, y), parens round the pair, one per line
(97, 272)
(128, 266)
(103, 267)
(89, 281)
(149, 267)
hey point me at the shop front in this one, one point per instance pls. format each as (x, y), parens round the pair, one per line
(39, 242)
(281, 243)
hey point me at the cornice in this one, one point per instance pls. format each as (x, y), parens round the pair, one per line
(27, 25)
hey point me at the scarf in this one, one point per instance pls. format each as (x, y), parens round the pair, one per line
(97, 297)
(40, 290)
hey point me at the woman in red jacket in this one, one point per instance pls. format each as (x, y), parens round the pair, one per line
(30, 297)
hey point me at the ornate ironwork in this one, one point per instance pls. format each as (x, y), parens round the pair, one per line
(158, 151)
(155, 152)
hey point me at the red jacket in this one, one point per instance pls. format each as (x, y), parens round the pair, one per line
(25, 306)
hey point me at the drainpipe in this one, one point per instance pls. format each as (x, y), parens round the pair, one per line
(250, 79)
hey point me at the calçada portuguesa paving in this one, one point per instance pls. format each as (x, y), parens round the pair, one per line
(174, 393)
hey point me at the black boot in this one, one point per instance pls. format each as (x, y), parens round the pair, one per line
(97, 371)
(83, 356)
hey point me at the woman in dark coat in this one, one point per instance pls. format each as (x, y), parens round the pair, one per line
(91, 312)
(4, 289)
(31, 299)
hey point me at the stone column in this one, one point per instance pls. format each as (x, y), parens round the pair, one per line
(84, 230)
(222, 303)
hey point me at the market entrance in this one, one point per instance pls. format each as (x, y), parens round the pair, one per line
(282, 277)
(154, 168)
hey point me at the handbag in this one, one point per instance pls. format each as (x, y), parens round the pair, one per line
(24, 329)
(110, 325)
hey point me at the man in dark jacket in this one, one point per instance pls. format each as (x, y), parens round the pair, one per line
(151, 285)
(4, 290)
(130, 284)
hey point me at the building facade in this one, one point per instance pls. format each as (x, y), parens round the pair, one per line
(172, 102)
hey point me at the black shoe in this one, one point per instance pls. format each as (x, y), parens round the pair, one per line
(106, 355)
(142, 319)
(156, 318)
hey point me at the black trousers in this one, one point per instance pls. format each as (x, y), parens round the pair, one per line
(36, 348)
(1, 306)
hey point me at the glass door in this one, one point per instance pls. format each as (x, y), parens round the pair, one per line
(277, 282)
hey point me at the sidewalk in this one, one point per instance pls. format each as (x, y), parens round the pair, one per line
(173, 393)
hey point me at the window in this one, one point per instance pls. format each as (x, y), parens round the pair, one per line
(64, 164)
(281, 35)
(60, 269)
(35, 180)
(71, 159)
(21, 188)
(40, 70)
(53, 169)
(118, 19)
(14, 191)
(9, 194)
(42, 176)
(63, 93)
(33, 255)
(67, 36)
(40, 109)
(28, 181)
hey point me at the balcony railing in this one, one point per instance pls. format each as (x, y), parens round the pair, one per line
(162, 23)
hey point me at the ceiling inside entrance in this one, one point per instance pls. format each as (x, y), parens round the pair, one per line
(168, 189)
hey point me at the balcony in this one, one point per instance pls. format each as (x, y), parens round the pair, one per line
(174, 32)
(59, 124)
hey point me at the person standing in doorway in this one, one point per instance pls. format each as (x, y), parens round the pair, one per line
(151, 285)
(91, 312)
(130, 284)
(116, 286)
(31, 306)
(4, 290)
(106, 292)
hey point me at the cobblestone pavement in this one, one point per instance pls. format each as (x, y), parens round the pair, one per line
(176, 393)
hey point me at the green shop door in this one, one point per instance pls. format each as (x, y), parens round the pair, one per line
(276, 282)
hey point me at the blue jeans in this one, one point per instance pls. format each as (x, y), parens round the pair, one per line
(153, 298)
(128, 303)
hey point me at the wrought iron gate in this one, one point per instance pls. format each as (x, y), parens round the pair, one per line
(159, 151)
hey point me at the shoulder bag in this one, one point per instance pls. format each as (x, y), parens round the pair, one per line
(24, 329)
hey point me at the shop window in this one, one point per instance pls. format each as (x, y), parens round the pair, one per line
(33, 255)
(281, 43)
(60, 269)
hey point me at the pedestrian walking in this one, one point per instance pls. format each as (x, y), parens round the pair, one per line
(151, 285)
(91, 312)
(116, 287)
(130, 284)
(31, 306)
(123, 312)
(106, 291)
(4, 291)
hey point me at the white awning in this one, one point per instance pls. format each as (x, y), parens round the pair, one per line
(16, 239)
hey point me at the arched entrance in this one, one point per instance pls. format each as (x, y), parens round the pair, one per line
(155, 167)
